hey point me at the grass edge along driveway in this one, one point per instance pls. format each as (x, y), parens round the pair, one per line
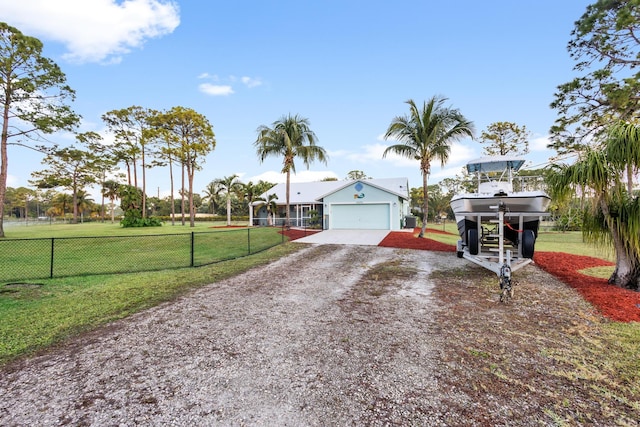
(37, 315)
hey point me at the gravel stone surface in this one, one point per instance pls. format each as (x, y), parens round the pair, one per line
(338, 335)
(330, 335)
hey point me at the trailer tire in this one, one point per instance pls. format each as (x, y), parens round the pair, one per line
(472, 241)
(528, 243)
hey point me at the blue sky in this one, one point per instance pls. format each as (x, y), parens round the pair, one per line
(348, 66)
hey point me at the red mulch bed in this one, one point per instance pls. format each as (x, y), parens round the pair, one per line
(294, 233)
(622, 305)
(406, 240)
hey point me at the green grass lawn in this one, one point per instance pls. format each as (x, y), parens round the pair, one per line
(43, 251)
(13, 230)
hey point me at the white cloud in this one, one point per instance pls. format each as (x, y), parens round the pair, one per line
(93, 31)
(374, 153)
(215, 90)
(12, 181)
(250, 82)
(225, 89)
(366, 154)
(206, 75)
(302, 176)
(448, 171)
(539, 144)
(459, 156)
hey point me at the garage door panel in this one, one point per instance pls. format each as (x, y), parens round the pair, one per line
(361, 216)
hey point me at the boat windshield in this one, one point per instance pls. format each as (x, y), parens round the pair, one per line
(495, 164)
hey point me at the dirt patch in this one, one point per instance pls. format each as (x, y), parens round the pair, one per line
(539, 360)
(336, 335)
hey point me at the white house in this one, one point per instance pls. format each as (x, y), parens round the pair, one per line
(380, 204)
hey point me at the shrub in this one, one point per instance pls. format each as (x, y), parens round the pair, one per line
(131, 221)
(131, 203)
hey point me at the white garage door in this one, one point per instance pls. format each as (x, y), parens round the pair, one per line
(362, 216)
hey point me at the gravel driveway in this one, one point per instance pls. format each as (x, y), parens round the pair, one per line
(330, 335)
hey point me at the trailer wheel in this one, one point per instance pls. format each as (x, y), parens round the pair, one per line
(472, 241)
(528, 243)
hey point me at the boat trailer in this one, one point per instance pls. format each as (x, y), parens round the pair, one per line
(488, 247)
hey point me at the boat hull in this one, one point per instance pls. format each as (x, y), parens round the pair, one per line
(531, 201)
(522, 212)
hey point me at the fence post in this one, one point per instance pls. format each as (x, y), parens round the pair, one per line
(51, 266)
(192, 247)
(249, 241)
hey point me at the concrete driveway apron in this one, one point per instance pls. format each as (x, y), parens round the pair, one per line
(346, 237)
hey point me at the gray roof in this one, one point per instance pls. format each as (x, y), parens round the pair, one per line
(313, 192)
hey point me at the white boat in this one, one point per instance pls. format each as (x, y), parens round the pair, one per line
(498, 225)
(494, 178)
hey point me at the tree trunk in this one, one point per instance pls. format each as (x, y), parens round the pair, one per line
(627, 271)
(102, 195)
(192, 212)
(144, 186)
(4, 165)
(128, 172)
(135, 173)
(625, 276)
(287, 220)
(182, 196)
(75, 207)
(3, 183)
(425, 204)
(173, 205)
(102, 211)
(228, 208)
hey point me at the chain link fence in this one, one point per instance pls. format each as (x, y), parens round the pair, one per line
(28, 259)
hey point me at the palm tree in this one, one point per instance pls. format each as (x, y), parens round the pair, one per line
(612, 217)
(61, 202)
(623, 147)
(426, 135)
(228, 185)
(290, 137)
(83, 201)
(211, 192)
(110, 190)
(249, 192)
(271, 206)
